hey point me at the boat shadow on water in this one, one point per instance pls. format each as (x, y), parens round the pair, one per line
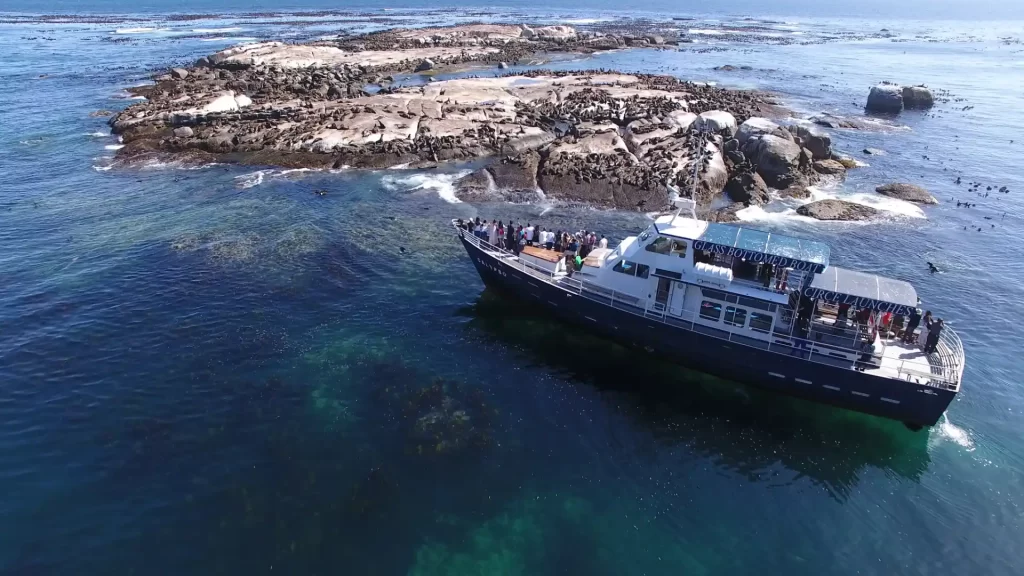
(743, 428)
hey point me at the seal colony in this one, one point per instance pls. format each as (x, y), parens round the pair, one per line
(596, 136)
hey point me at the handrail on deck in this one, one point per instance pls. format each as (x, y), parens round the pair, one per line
(947, 377)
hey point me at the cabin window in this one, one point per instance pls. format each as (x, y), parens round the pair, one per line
(661, 245)
(735, 316)
(761, 322)
(632, 269)
(667, 246)
(710, 310)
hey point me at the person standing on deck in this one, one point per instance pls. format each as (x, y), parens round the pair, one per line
(500, 235)
(934, 331)
(915, 321)
(922, 340)
(510, 234)
(604, 242)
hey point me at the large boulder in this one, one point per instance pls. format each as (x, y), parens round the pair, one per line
(517, 174)
(885, 98)
(814, 139)
(477, 185)
(832, 209)
(424, 65)
(917, 98)
(717, 121)
(714, 177)
(753, 127)
(183, 132)
(777, 159)
(829, 167)
(748, 188)
(908, 192)
(179, 73)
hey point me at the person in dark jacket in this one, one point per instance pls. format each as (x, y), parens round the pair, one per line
(915, 321)
(934, 331)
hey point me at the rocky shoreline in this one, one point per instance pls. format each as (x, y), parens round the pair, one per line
(595, 136)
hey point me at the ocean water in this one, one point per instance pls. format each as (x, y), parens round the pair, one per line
(215, 371)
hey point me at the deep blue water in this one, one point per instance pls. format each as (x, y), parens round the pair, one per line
(216, 371)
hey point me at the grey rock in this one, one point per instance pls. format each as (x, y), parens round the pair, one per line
(777, 159)
(426, 64)
(183, 132)
(832, 209)
(748, 188)
(799, 190)
(655, 39)
(814, 139)
(179, 73)
(502, 65)
(908, 192)
(830, 167)
(885, 98)
(874, 152)
(753, 127)
(917, 98)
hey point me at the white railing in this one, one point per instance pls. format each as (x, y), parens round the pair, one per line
(946, 376)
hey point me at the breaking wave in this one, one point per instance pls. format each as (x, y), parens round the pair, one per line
(784, 210)
(443, 184)
(249, 180)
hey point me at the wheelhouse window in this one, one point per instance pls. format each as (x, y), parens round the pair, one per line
(632, 269)
(735, 316)
(761, 322)
(710, 310)
(667, 246)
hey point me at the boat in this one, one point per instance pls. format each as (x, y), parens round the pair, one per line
(746, 305)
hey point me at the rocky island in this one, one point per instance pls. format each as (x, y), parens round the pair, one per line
(373, 101)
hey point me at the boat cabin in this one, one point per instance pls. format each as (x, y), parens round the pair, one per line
(759, 285)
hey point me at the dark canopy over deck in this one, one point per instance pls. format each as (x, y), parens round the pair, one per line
(766, 247)
(862, 290)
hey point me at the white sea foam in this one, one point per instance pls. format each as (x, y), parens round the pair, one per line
(586, 20)
(215, 30)
(114, 146)
(443, 184)
(705, 32)
(946, 430)
(98, 134)
(102, 168)
(235, 39)
(249, 180)
(784, 210)
(140, 30)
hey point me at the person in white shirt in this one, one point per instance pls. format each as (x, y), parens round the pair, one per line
(529, 234)
(604, 242)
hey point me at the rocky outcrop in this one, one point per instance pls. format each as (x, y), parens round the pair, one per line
(799, 191)
(908, 192)
(814, 139)
(832, 209)
(829, 167)
(885, 98)
(753, 127)
(747, 188)
(917, 98)
(592, 135)
(718, 122)
(777, 160)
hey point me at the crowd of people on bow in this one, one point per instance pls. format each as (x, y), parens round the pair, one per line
(516, 236)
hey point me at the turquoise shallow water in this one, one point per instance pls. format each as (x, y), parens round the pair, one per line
(216, 371)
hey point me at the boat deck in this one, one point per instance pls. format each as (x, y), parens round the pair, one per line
(895, 359)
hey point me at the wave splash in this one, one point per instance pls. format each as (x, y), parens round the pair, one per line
(443, 184)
